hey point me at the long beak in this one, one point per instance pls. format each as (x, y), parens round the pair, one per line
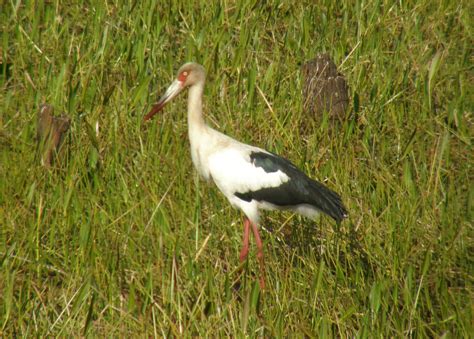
(175, 88)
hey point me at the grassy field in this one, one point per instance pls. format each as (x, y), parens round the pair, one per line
(123, 239)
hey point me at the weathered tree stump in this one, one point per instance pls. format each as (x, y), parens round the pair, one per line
(324, 89)
(50, 132)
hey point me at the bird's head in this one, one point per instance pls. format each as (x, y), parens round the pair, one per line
(189, 74)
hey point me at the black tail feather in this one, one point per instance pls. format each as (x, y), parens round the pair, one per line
(298, 190)
(326, 200)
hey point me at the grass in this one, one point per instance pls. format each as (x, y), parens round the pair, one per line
(123, 239)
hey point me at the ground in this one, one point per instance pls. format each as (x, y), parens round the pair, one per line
(121, 238)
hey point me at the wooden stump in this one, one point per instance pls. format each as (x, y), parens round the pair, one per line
(324, 89)
(50, 132)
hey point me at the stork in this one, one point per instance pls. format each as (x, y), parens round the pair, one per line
(251, 178)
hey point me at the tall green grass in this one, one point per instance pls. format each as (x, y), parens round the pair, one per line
(123, 239)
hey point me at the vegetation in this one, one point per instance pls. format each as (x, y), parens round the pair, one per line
(121, 238)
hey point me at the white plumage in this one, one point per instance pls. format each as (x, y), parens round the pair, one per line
(233, 171)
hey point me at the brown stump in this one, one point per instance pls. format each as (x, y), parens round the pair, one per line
(324, 89)
(50, 132)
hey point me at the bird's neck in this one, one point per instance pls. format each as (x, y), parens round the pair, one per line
(197, 129)
(195, 118)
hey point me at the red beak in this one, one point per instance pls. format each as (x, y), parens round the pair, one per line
(175, 88)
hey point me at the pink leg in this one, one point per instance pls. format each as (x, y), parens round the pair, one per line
(245, 242)
(261, 261)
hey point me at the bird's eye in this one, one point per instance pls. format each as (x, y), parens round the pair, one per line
(182, 77)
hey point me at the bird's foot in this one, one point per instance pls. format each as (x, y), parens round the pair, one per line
(261, 281)
(244, 253)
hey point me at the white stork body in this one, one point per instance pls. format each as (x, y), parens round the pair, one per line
(233, 171)
(250, 177)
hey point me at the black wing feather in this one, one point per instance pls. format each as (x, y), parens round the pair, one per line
(299, 189)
